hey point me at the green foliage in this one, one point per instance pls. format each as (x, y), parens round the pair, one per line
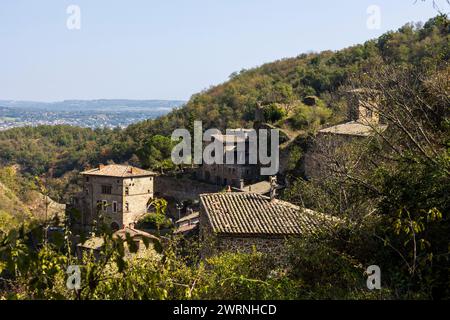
(274, 113)
(309, 116)
(155, 221)
(248, 276)
(156, 153)
(61, 148)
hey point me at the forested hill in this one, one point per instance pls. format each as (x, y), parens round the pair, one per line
(288, 81)
(280, 87)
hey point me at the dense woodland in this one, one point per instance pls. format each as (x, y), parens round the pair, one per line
(393, 193)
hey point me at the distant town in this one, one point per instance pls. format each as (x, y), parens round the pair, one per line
(83, 113)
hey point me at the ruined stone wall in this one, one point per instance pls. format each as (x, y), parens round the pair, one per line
(182, 188)
(327, 149)
(271, 246)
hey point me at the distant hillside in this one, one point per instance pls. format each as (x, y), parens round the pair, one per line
(289, 81)
(21, 202)
(12, 209)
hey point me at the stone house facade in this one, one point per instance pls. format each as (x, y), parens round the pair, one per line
(116, 193)
(242, 222)
(234, 175)
(364, 122)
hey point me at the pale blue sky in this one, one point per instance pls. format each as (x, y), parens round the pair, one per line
(171, 49)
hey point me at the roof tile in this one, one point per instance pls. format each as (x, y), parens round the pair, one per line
(251, 213)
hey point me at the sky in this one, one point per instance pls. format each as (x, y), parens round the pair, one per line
(171, 49)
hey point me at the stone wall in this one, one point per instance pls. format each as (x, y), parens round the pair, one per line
(271, 246)
(140, 191)
(327, 149)
(182, 188)
(212, 244)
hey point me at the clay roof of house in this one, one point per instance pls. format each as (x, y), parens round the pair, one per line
(185, 228)
(354, 128)
(261, 187)
(116, 170)
(94, 243)
(97, 242)
(122, 233)
(191, 216)
(249, 214)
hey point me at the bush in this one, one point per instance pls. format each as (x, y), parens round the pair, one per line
(309, 116)
(274, 113)
(155, 221)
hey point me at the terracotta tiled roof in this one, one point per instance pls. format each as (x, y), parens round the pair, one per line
(98, 242)
(191, 216)
(186, 228)
(122, 233)
(259, 187)
(254, 214)
(116, 170)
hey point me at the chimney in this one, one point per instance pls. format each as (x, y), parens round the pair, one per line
(131, 170)
(229, 189)
(273, 188)
(101, 166)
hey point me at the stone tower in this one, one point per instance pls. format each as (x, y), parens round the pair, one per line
(364, 105)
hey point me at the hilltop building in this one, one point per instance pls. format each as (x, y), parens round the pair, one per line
(242, 172)
(235, 175)
(119, 194)
(188, 224)
(363, 123)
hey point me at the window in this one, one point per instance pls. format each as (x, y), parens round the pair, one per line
(99, 205)
(115, 226)
(127, 191)
(114, 207)
(87, 190)
(106, 189)
(104, 205)
(87, 179)
(127, 207)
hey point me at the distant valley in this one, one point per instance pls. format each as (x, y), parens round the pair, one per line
(83, 113)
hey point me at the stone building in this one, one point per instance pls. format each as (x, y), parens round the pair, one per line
(235, 175)
(243, 172)
(119, 194)
(188, 224)
(142, 241)
(363, 123)
(240, 221)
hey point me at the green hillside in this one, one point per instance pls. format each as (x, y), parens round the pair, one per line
(280, 87)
